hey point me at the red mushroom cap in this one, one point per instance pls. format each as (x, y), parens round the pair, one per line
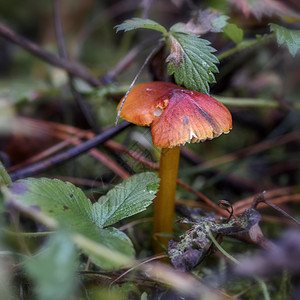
(176, 115)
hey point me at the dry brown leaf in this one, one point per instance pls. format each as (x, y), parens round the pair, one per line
(259, 8)
(203, 22)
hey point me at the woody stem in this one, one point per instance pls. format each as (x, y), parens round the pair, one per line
(164, 204)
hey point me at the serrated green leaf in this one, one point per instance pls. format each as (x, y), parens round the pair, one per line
(68, 204)
(192, 62)
(287, 36)
(53, 268)
(234, 33)
(126, 199)
(70, 207)
(4, 177)
(136, 23)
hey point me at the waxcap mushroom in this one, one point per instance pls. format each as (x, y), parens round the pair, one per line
(176, 115)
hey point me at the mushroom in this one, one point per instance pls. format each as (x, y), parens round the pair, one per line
(177, 116)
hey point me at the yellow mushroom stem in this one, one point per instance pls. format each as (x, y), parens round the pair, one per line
(164, 203)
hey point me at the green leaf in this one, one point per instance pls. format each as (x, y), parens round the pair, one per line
(136, 23)
(126, 199)
(113, 239)
(2, 206)
(220, 22)
(287, 36)
(22, 89)
(53, 268)
(192, 62)
(70, 207)
(234, 33)
(6, 289)
(4, 177)
(180, 27)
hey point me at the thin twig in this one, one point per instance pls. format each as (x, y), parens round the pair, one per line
(275, 200)
(58, 29)
(128, 58)
(281, 211)
(245, 45)
(146, 4)
(207, 201)
(69, 154)
(83, 181)
(63, 54)
(136, 77)
(41, 155)
(27, 234)
(106, 160)
(57, 132)
(136, 222)
(71, 67)
(156, 257)
(282, 194)
(264, 145)
(101, 17)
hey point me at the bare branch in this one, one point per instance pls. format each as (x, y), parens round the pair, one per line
(72, 68)
(69, 154)
(82, 104)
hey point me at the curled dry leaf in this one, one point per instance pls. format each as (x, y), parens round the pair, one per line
(202, 22)
(176, 54)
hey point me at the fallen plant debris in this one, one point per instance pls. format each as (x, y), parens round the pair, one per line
(186, 253)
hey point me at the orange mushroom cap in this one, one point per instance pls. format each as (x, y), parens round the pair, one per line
(176, 115)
